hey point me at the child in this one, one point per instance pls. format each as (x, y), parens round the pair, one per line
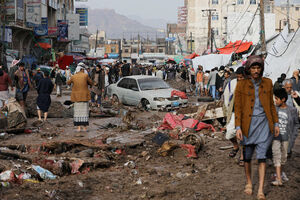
(288, 121)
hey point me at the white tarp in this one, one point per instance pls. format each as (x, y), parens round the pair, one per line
(211, 61)
(284, 55)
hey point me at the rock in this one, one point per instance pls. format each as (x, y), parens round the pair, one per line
(87, 153)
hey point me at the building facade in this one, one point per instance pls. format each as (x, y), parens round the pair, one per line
(34, 27)
(219, 10)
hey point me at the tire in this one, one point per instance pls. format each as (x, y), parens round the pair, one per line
(116, 99)
(205, 99)
(145, 103)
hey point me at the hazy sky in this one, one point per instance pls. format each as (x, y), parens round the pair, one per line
(148, 9)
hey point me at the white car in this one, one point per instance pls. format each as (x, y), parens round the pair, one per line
(147, 91)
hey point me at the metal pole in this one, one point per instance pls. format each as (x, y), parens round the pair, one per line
(262, 25)
(288, 15)
(96, 41)
(211, 41)
(209, 29)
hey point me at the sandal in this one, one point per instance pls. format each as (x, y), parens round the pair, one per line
(233, 153)
(277, 183)
(248, 189)
(241, 162)
(261, 196)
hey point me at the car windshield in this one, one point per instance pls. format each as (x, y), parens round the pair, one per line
(152, 84)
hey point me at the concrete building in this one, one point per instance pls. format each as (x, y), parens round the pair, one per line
(144, 51)
(32, 27)
(82, 45)
(176, 39)
(197, 20)
(281, 16)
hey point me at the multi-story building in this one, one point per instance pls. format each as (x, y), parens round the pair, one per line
(281, 12)
(176, 39)
(144, 50)
(224, 14)
(34, 27)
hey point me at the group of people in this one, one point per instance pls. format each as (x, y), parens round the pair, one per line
(261, 119)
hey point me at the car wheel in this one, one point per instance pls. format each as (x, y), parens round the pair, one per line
(145, 104)
(115, 99)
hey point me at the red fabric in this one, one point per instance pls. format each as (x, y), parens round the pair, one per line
(4, 82)
(237, 47)
(171, 121)
(65, 61)
(202, 125)
(179, 94)
(191, 56)
(44, 45)
(191, 150)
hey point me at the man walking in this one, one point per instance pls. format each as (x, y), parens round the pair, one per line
(255, 119)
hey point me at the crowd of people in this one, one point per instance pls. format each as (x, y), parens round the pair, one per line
(260, 116)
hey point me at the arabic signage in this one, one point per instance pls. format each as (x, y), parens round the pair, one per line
(62, 31)
(42, 29)
(83, 13)
(33, 13)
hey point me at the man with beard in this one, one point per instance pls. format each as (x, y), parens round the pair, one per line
(255, 119)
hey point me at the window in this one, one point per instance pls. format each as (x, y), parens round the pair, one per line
(240, 2)
(134, 50)
(160, 50)
(252, 1)
(215, 2)
(152, 50)
(215, 17)
(132, 85)
(126, 50)
(268, 9)
(216, 31)
(113, 50)
(124, 83)
(297, 8)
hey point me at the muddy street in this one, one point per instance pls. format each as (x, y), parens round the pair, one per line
(128, 157)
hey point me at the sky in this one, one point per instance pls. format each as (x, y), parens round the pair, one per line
(147, 9)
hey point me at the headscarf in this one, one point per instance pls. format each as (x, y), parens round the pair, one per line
(79, 67)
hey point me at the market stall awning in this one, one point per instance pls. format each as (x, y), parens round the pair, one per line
(191, 56)
(235, 47)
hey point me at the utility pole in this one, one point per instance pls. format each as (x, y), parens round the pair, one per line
(262, 25)
(3, 24)
(212, 41)
(209, 11)
(96, 41)
(288, 15)
(191, 41)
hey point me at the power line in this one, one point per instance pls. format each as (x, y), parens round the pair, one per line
(239, 19)
(285, 14)
(247, 30)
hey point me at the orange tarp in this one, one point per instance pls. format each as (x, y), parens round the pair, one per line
(192, 56)
(237, 47)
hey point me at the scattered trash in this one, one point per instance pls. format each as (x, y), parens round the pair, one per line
(191, 150)
(195, 140)
(4, 184)
(44, 174)
(3, 135)
(31, 181)
(134, 172)
(75, 165)
(24, 176)
(139, 181)
(7, 175)
(226, 147)
(182, 175)
(80, 183)
(166, 148)
(160, 138)
(130, 164)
